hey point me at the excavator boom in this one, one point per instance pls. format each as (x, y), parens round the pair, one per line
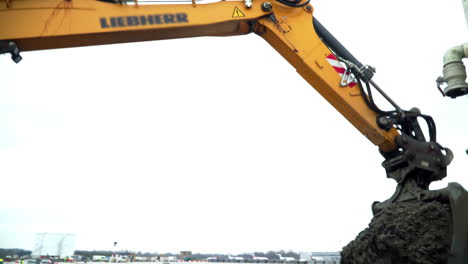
(77, 23)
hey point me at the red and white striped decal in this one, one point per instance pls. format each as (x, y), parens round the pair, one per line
(339, 68)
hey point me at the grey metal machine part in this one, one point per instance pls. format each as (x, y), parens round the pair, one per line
(454, 72)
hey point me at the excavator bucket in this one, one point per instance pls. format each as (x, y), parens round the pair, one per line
(458, 198)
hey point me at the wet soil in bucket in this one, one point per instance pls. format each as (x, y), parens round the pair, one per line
(404, 233)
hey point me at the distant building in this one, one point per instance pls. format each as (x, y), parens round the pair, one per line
(186, 255)
(54, 244)
(168, 259)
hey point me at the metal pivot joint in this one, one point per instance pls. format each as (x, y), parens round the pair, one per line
(267, 6)
(10, 47)
(426, 161)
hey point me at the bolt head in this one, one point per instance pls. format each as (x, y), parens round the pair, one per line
(267, 6)
(383, 120)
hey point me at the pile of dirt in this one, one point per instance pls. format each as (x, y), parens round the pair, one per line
(403, 233)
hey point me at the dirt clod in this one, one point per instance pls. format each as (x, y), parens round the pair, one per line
(403, 233)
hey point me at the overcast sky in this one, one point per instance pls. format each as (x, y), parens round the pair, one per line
(213, 144)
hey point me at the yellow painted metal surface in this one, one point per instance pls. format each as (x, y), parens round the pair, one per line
(46, 24)
(290, 31)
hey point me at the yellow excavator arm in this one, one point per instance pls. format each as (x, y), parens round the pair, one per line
(51, 24)
(288, 26)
